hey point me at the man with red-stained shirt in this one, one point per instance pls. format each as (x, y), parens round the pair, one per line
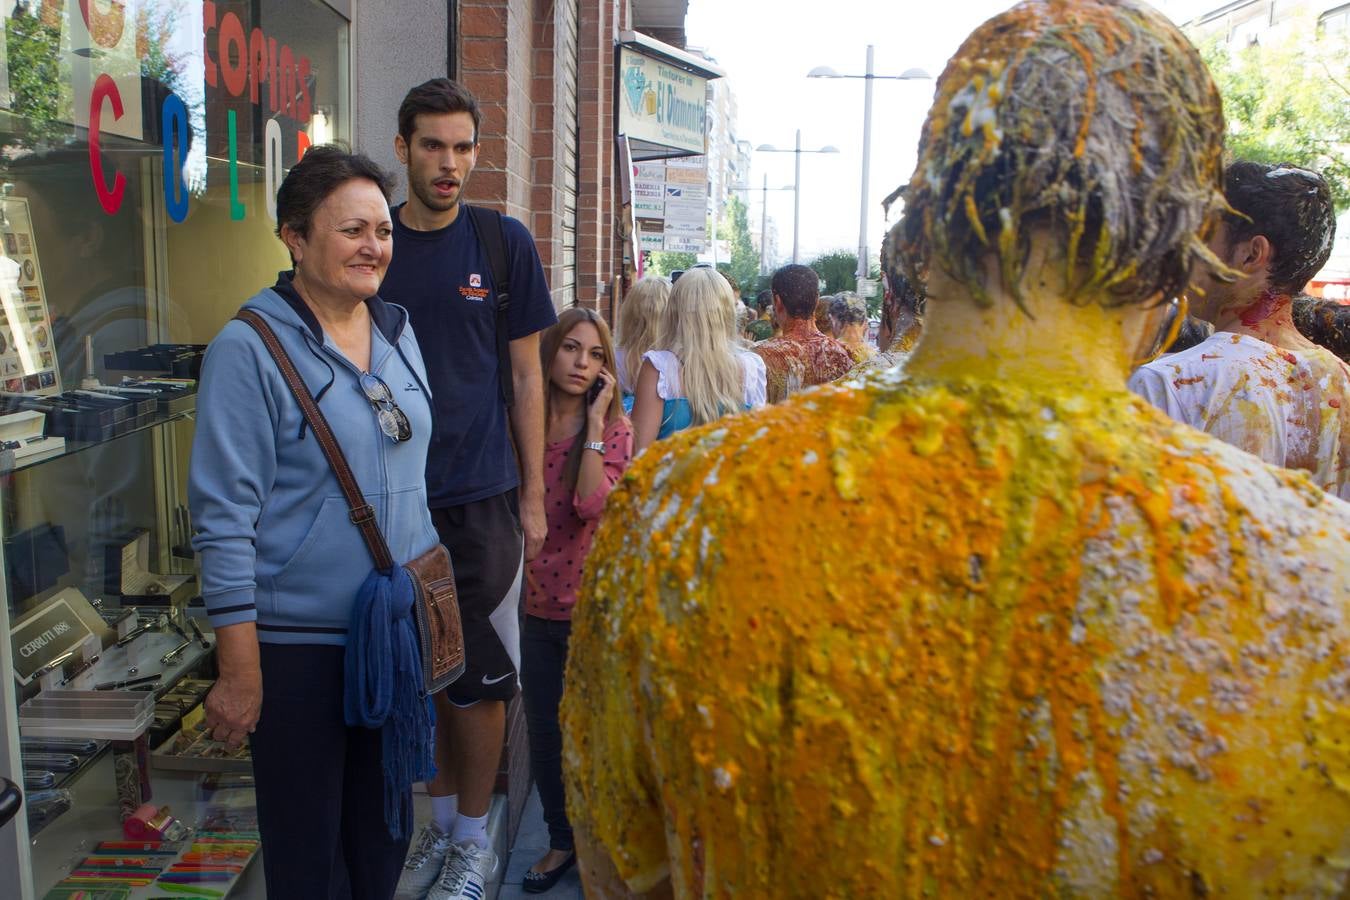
(801, 356)
(1257, 382)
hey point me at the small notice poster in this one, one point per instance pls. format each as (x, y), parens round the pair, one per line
(27, 345)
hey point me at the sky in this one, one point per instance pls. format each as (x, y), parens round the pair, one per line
(766, 47)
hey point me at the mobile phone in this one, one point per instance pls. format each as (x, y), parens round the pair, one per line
(594, 391)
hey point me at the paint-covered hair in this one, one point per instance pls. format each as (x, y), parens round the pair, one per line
(798, 287)
(1324, 322)
(1094, 121)
(1291, 206)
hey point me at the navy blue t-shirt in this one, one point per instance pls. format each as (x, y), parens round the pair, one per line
(444, 280)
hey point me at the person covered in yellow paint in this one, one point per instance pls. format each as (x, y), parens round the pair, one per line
(1101, 654)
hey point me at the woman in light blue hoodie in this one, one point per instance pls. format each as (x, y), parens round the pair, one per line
(281, 560)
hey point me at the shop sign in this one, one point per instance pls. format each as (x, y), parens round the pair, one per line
(101, 45)
(679, 244)
(661, 104)
(649, 209)
(689, 193)
(688, 228)
(684, 175)
(650, 171)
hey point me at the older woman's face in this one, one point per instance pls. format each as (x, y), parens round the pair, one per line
(349, 245)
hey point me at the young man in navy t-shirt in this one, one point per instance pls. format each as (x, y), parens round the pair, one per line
(480, 500)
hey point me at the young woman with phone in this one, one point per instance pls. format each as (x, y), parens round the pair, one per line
(589, 445)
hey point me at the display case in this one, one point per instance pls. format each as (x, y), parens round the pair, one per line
(141, 158)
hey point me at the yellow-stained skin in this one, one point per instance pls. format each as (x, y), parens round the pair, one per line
(964, 639)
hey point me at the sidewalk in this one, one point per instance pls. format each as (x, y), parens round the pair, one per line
(532, 843)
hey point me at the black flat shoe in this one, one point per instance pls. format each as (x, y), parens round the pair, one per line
(538, 882)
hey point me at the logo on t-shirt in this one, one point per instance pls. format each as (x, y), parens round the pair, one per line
(475, 291)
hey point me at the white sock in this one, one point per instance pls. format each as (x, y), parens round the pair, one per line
(471, 830)
(444, 811)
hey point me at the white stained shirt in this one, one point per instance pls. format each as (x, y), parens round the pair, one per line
(668, 376)
(1289, 407)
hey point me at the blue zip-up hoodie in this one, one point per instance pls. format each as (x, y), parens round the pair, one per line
(277, 545)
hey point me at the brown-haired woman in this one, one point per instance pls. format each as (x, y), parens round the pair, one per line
(589, 444)
(282, 563)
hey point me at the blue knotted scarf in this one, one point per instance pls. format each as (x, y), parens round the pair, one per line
(383, 690)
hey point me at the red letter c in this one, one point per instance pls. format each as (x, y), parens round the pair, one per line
(110, 200)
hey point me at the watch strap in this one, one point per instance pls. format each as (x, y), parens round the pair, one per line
(597, 446)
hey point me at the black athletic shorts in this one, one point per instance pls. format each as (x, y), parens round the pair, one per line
(487, 549)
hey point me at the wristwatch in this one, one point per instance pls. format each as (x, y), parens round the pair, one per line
(597, 446)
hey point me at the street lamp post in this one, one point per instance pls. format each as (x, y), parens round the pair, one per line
(796, 183)
(868, 78)
(763, 219)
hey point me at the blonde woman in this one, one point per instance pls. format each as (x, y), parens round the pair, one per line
(700, 374)
(635, 332)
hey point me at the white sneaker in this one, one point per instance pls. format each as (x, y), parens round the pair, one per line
(468, 871)
(424, 863)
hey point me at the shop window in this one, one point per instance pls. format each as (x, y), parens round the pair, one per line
(140, 146)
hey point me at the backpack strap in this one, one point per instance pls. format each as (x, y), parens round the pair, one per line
(492, 238)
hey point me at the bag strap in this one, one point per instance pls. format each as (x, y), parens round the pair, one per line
(492, 238)
(361, 513)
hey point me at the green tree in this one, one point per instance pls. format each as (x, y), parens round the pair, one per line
(838, 269)
(35, 78)
(664, 262)
(735, 230)
(1288, 100)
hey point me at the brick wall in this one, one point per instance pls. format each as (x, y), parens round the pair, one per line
(597, 201)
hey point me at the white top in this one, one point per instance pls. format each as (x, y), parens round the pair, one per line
(620, 373)
(668, 376)
(1289, 407)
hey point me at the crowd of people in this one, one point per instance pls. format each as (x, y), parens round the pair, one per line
(951, 612)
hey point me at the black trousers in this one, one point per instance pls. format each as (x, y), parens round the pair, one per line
(320, 785)
(543, 654)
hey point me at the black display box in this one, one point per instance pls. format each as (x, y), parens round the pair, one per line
(176, 360)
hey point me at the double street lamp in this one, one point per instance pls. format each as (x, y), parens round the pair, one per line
(868, 78)
(796, 182)
(763, 219)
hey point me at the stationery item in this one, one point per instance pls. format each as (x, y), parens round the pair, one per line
(82, 746)
(140, 848)
(44, 806)
(173, 654)
(64, 891)
(52, 666)
(38, 779)
(145, 682)
(151, 822)
(80, 670)
(194, 889)
(57, 762)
